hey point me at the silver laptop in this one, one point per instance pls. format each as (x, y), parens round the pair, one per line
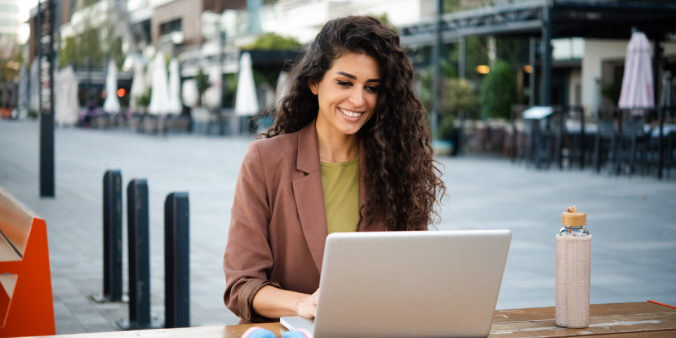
(408, 284)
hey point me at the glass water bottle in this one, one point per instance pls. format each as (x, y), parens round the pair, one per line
(573, 270)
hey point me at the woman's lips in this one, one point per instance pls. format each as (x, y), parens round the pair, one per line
(350, 115)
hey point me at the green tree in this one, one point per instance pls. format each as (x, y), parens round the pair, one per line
(498, 91)
(97, 42)
(447, 71)
(272, 41)
(144, 99)
(457, 96)
(76, 50)
(385, 19)
(451, 6)
(68, 54)
(612, 92)
(202, 81)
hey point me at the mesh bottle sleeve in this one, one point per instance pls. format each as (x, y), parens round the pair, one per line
(573, 275)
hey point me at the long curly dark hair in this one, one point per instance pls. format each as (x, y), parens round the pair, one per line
(403, 180)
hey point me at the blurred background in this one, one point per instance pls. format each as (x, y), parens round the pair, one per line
(488, 62)
(535, 105)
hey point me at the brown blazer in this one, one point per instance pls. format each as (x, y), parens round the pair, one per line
(278, 223)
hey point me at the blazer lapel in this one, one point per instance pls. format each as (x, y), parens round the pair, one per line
(309, 195)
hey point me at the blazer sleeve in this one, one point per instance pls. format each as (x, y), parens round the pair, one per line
(248, 257)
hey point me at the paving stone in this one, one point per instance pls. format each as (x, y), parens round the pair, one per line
(70, 329)
(99, 328)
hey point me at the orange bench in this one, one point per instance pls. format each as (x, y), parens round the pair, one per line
(6, 112)
(26, 304)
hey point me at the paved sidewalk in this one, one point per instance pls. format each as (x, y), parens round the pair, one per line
(633, 221)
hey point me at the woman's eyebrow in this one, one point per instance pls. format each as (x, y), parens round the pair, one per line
(354, 77)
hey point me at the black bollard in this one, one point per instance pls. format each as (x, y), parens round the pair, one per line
(112, 238)
(177, 260)
(139, 258)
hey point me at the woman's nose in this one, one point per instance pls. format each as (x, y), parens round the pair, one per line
(357, 97)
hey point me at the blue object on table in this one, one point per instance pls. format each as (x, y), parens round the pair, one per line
(261, 333)
(293, 334)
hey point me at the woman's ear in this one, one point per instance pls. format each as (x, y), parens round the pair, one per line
(313, 86)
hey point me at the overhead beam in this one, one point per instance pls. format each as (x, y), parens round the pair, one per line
(522, 18)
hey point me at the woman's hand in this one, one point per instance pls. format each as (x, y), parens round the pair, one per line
(307, 307)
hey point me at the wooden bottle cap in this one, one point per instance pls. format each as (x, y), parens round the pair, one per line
(573, 218)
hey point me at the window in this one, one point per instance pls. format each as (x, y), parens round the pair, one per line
(170, 27)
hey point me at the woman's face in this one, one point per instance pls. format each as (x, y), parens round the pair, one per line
(348, 93)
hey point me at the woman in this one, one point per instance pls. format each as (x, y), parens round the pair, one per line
(349, 151)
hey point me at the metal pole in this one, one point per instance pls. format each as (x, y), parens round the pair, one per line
(547, 55)
(462, 64)
(583, 138)
(46, 95)
(177, 260)
(139, 258)
(559, 140)
(660, 147)
(532, 78)
(112, 237)
(221, 118)
(657, 55)
(436, 77)
(513, 145)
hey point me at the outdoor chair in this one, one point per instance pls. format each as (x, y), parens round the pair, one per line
(578, 144)
(204, 121)
(120, 120)
(668, 153)
(102, 122)
(560, 138)
(605, 144)
(543, 145)
(135, 123)
(632, 146)
(524, 141)
(181, 123)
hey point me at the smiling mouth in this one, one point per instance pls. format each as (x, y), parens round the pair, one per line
(350, 113)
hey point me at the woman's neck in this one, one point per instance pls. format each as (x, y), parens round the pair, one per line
(335, 146)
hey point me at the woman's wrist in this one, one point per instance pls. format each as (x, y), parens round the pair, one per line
(271, 302)
(296, 304)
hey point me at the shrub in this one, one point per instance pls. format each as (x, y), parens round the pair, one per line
(498, 91)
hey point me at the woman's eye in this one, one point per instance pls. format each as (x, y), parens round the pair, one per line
(343, 83)
(372, 89)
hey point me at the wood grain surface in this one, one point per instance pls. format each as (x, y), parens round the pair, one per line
(621, 320)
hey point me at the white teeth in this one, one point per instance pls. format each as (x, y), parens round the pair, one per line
(349, 113)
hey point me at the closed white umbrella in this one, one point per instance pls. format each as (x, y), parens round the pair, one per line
(138, 85)
(637, 83)
(212, 96)
(67, 103)
(149, 74)
(189, 93)
(111, 105)
(246, 101)
(175, 106)
(34, 91)
(159, 100)
(22, 103)
(23, 87)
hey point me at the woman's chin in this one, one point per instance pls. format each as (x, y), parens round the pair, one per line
(348, 128)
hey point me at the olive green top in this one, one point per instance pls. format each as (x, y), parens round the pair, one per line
(340, 183)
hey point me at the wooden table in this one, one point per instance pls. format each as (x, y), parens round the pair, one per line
(621, 320)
